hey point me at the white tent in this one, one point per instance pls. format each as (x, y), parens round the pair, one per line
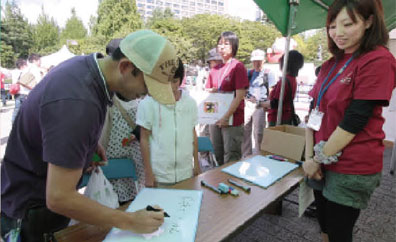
(56, 58)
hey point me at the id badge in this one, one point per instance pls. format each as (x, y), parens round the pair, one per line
(315, 119)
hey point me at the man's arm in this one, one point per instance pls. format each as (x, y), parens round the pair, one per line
(62, 198)
(197, 169)
(145, 150)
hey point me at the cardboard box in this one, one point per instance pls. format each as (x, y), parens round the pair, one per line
(284, 140)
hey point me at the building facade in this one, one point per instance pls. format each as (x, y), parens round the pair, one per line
(182, 8)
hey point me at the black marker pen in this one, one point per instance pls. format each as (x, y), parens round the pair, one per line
(245, 188)
(150, 208)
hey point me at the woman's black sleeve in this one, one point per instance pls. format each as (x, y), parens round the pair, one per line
(274, 103)
(358, 114)
(311, 105)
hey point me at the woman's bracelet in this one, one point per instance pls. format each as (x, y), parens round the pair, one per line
(320, 157)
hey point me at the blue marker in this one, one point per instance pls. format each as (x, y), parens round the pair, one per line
(233, 191)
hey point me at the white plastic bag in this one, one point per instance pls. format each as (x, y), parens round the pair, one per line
(101, 190)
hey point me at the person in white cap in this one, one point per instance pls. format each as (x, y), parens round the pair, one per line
(214, 59)
(56, 133)
(260, 80)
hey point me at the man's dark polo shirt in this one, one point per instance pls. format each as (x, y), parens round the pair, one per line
(60, 122)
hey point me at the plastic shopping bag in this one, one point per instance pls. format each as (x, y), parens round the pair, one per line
(101, 190)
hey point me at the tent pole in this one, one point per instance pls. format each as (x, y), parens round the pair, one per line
(292, 13)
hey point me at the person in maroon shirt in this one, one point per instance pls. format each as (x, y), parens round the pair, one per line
(344, 139)
(231, 76)
(294, 64)
(3, 92)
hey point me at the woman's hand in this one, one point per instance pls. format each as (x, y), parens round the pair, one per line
(311, 168)
(211, 90)
(265, 105)
(252, 99)
(223, 122)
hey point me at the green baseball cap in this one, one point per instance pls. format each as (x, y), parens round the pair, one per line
(156, 57)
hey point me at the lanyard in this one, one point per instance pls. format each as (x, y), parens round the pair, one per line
(323, 90)
(220, 81)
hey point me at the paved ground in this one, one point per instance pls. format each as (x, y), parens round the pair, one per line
(377, 223)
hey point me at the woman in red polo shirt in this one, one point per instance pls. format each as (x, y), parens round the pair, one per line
(294, 63)
(345, 124)
(231, 76)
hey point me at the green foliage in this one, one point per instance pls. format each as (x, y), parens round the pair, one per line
(117, 18)
(158, 15)
(89, 45)
(192, 37)
(7, 57)
(92, 23)
(15, 33)
(74, 29)
(314, 48)
(203, 30)
(166, 25)
(45, 35)
(255, 35)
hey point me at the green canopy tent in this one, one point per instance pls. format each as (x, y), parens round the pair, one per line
(295, 16)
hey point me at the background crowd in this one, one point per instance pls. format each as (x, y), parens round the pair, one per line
(158, 131)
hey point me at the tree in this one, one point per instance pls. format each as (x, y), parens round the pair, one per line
(159, 14)
(172, 29)
(117, 18)
(203, 30)
(89, 45)
(255, 35)
(7, 55)
(164, 23)
(15, 33)
(314, 47)
(74, 28)
(91, 24)
(45, 34)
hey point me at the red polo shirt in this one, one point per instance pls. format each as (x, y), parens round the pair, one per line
(230, 77)
(371, 76)
(275, 94)
(2, 77)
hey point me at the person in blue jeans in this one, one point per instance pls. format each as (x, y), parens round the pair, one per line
(20, 97)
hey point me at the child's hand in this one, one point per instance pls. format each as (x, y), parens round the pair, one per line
(196, 171)
(128, 141)
(132, 138)
(150, 181)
